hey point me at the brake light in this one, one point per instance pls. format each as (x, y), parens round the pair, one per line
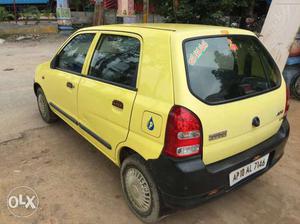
(287, 101)
(183, 133)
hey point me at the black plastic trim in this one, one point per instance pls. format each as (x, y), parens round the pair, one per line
(235, 99)
(91, 133)
(95, 136)
(189, 182)
(64, 113)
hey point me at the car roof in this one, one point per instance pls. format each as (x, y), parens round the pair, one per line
(141, 28)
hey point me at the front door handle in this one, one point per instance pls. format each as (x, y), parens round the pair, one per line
(118, 104)
(70, 85)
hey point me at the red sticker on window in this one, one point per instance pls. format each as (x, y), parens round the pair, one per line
(233, 47)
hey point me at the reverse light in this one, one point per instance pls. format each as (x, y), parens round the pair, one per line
(183, 133)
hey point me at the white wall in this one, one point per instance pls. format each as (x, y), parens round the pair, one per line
(280, 29)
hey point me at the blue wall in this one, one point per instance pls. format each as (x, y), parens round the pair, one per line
(10, 2)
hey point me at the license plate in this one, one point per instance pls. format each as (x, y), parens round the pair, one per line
(245, 171)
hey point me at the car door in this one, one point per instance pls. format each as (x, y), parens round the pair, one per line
(106, 95)
(65, 74)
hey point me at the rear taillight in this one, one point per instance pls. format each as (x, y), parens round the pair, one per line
(287, 101)
(183, 133)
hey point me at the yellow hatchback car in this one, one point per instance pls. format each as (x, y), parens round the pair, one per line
(187, 111)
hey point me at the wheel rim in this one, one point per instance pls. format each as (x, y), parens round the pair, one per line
(138, 190)
(297, 86)
(42, 105)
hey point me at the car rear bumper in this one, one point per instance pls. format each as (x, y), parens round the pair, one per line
(187, 183)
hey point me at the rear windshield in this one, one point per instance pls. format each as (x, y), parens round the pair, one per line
(226, 68)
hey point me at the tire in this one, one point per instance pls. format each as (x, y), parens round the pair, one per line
(295, 87)
(140, 190)
(45, 111)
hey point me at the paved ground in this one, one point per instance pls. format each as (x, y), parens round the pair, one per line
(77, 184)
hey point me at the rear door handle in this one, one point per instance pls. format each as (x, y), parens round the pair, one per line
(118, 104)
(70, 85)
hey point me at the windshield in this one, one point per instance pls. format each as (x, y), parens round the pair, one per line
(226, 68)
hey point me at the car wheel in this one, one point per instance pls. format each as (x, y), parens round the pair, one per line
(295, 87)
(45, 111)
(140, 190)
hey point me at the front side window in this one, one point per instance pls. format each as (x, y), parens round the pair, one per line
(226, 68)
(72, 57)
(116, 60)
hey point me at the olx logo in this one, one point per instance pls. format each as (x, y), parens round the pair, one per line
(22, 201)
(150, 124)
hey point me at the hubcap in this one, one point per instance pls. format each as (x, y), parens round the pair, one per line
(297, 86)
(138, 190)
(42, 105)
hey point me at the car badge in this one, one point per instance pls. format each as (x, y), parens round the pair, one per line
(150, 124)
(218, 135)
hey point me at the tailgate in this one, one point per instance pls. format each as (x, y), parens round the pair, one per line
(236, 90)
(228, 128)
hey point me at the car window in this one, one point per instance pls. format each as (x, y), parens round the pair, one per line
(72, 57)
(116, 60)
(220, 69)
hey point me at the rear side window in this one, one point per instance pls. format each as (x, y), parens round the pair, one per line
(116, 60)
(221, 69)
(72, 57)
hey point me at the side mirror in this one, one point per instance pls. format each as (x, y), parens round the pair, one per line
(54, 62)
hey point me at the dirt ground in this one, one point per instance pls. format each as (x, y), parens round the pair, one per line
(77, 184)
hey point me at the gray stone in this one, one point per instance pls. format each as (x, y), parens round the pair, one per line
(20, 38)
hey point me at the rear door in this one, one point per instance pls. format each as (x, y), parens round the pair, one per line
(238, 88)
(106, 95)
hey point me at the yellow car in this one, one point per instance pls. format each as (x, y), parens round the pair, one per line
(187, 111)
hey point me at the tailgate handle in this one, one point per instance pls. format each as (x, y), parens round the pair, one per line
(118, 104)
(256, 122)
